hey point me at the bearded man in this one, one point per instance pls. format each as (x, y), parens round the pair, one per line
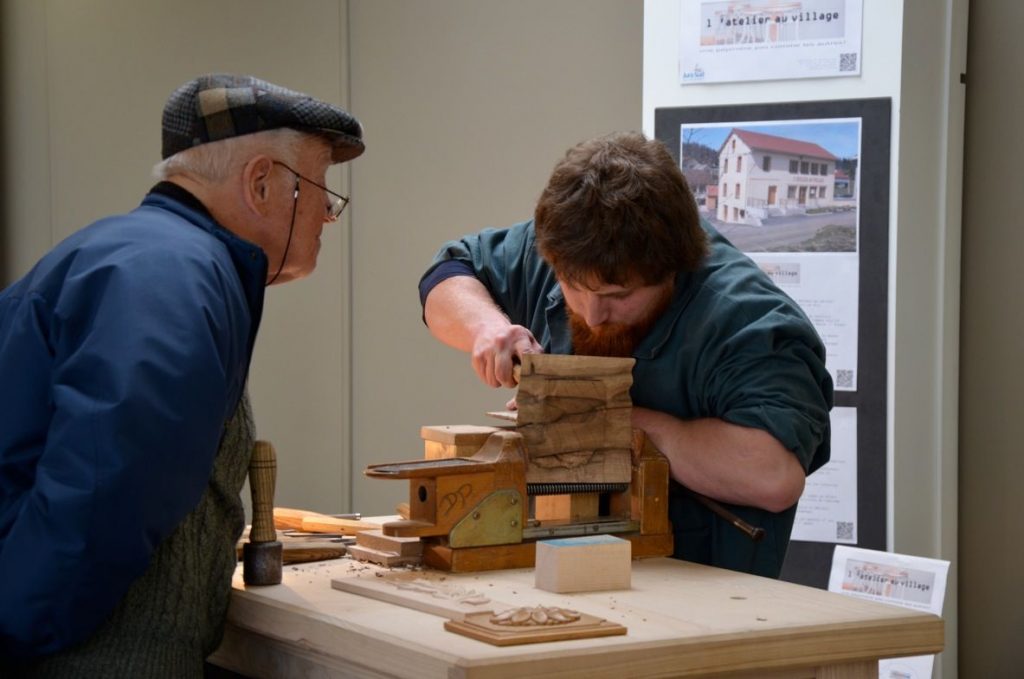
(730, 380)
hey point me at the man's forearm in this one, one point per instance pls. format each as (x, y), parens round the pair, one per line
(734, 464)
(458, 309)
(461, 313)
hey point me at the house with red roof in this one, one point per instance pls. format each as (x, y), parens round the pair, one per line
(762, 175)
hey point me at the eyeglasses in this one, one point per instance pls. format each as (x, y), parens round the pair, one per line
(336, 202)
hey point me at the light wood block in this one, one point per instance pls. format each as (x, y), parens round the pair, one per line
(591, 563)
(579, 507)
(453, 440)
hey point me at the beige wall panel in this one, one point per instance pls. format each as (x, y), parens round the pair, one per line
(25, 228)
(467, 104)
(992, 371)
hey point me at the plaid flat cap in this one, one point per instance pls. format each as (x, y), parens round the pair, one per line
(220, 106)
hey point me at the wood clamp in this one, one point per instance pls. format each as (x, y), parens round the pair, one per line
(571, 465)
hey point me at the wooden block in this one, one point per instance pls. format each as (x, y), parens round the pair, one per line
(602, 466)
(375, 539)
(553, 398)
(453, 440)
(558, 365)
(553, 388)
(576, 507)
(590, 563)
(383, 558)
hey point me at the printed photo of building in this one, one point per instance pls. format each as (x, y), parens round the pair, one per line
(762, 175)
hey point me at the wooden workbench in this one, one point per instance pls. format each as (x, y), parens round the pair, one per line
(683, 620)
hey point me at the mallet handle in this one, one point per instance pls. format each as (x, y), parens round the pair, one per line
(262, 473)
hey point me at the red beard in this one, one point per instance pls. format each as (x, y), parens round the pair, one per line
(614, 339)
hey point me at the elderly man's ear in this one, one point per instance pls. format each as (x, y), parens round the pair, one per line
(256, 184)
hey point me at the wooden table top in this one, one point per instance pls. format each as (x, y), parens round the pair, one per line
(683, 619)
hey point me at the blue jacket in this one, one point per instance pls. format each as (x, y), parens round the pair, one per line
(730, 345)
(122, 354)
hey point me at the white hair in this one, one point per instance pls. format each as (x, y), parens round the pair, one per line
(215, 161)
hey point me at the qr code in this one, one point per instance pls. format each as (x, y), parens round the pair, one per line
(844, 530)
(844, 378)
(848, 62)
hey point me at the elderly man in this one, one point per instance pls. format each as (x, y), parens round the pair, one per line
(729, 382)
(126, 435)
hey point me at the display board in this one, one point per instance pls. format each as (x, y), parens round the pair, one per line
(803, 189)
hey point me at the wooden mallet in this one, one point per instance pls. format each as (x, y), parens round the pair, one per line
(262, 555)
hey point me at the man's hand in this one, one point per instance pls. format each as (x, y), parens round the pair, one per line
(460, 312)
(496, 351)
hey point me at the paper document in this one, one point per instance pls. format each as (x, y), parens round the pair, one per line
(908, 581)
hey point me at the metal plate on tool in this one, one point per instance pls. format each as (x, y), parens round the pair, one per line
(496, 520)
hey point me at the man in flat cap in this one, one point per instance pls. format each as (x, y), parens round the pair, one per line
(126, 435)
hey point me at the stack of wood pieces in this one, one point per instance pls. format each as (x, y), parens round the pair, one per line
(574, 413)
(385, 550)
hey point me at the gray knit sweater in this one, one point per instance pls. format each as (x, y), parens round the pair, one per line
(173, 616)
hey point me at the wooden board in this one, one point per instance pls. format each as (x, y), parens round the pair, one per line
(329, 524)
(424, 591)
(478, 626)
(375, 539)
(453, 440)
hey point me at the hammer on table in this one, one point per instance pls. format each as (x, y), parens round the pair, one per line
(262, 555)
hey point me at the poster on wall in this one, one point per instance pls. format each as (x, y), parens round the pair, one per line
(803, 189)
(785, 192)
(827, 511)
(744, 40)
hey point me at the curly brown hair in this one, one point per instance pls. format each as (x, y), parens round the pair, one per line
(617, 209)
